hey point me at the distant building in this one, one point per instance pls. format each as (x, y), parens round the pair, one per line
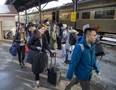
(7, 19)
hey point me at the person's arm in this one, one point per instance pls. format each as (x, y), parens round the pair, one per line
(31, 43)
(76, 56)
(96, 67)
(46, 44)
(16, 39)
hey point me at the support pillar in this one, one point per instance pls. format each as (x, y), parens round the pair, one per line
(25, 16)
(39, 4)
(75, 10)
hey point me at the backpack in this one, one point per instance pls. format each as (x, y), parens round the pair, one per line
(99, 51)
(82, 49)
(72, 39)
(79, 38)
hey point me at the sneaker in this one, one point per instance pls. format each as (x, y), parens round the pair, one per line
(37, 83)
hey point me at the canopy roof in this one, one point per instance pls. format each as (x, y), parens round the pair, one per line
(7, 10)
(21, 5)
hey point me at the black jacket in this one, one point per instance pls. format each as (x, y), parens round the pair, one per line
(48, 36)
(33, 43)
(17, 38)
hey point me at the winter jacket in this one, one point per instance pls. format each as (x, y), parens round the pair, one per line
(82, 62)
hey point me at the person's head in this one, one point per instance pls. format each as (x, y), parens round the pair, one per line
(46, 21)
(32, 27)
(90, 35)
(96, 29)
(21, 26)
(17, 24)
(41, 29)
(64, 26)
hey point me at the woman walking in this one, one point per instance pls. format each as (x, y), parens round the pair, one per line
(38, 43)
(20, 41)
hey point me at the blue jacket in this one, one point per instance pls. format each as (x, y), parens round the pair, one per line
(82, 62)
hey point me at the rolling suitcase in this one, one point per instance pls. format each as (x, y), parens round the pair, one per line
(54, 74)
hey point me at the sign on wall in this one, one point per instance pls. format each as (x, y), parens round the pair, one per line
(73, 16)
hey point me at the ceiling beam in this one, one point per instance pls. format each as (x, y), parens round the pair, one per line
(12, 1)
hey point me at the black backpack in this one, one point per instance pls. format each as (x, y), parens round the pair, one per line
(72, 39)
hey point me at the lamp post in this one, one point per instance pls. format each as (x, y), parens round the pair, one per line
(39, 4)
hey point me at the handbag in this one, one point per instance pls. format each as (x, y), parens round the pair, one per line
(13, 50)
(26, 48)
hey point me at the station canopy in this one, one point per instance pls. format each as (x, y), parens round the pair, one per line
(7, 10)
(21, 5)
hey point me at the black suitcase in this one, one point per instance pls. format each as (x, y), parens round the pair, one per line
(54, 74)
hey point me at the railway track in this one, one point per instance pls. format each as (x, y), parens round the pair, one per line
(108, 43)
(109, 39)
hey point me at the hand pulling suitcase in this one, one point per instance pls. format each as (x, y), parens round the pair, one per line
(54, 74)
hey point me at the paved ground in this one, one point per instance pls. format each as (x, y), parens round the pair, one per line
(14, 78)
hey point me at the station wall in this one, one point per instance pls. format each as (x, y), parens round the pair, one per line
(1, 31)
(7, 24)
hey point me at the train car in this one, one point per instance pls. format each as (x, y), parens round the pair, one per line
(100, 13)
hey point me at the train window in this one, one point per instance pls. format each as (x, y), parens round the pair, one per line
(77, 15)
(86, 15)
(107, 14)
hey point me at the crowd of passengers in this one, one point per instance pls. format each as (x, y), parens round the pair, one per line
(46, 36)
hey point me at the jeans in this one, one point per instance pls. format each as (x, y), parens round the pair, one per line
(21, 54)
(85, 84)
(67, 54)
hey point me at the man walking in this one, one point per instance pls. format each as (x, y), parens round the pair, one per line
(83, 61)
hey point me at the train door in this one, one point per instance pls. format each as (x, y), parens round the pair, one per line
(55, 16)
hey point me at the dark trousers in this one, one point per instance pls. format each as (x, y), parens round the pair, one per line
(85, 84)
(67, 54)
(21, 54)
(36, 77)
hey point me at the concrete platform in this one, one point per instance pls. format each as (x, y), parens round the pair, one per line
(14, 78)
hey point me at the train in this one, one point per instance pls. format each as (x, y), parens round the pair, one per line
(100, 13)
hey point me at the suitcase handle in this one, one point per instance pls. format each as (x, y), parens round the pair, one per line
(54, 60)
